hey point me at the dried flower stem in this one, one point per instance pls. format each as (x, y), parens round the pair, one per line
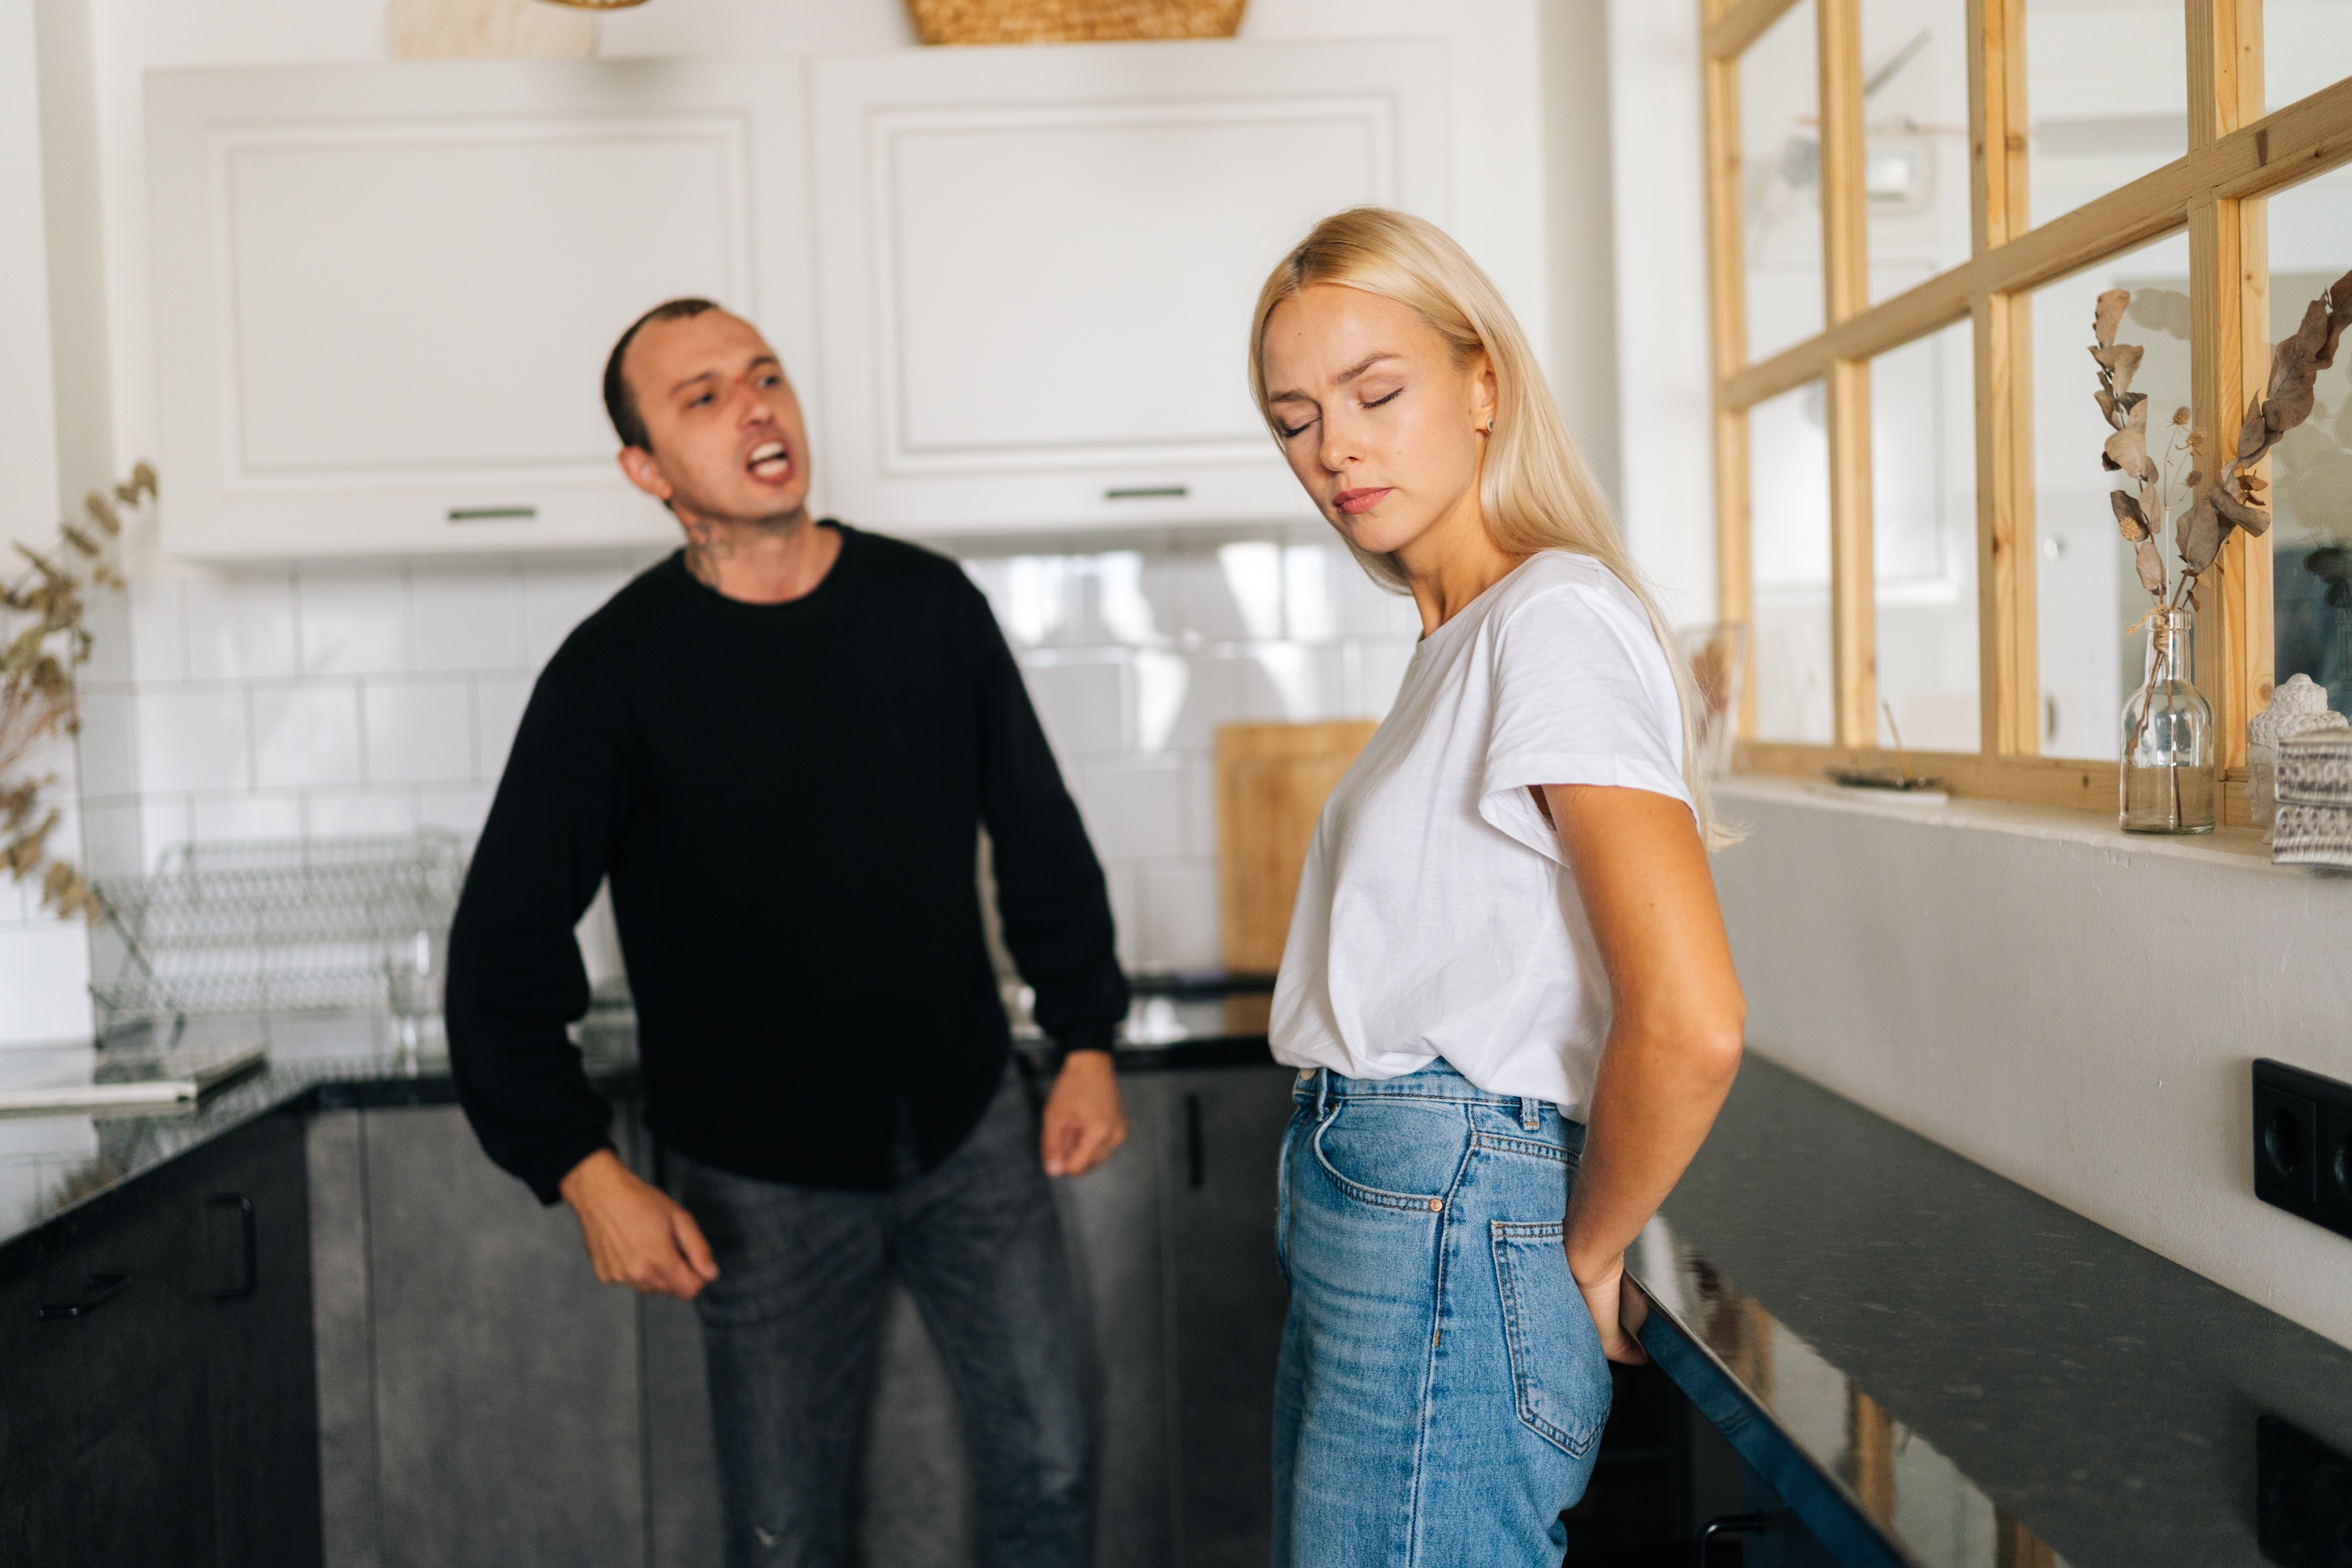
(39, 702)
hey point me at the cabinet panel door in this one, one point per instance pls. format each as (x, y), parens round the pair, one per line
(1111, 1225)
(265, 1388)
(1038, 267)
(507, 1379)
(1229, 1302)
(385, 294)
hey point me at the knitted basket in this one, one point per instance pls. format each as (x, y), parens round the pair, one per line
(1071, 21)
(2315, 801)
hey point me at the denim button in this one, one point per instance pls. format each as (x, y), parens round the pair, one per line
(1435, 1205)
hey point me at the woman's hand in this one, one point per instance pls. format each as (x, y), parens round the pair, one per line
(1619, 1310)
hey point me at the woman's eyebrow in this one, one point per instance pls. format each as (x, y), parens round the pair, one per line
(1351, 373)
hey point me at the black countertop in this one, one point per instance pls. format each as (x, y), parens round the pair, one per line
(58, 1171)
(1932, 1364)
(1971, 1367)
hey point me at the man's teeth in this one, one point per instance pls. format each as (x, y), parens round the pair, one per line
(770, 456)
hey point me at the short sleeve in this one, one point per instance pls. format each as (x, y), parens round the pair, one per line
(1582, 694)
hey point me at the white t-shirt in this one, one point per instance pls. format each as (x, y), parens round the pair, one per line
(1435, 917)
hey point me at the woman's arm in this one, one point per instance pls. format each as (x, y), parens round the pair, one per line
(1674, 1029)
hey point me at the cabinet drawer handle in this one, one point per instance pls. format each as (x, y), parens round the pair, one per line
(1149, 493)
(1730, 1524)
(492, 513)
(103, 1287)
(1195, 1154)
(251, 1274)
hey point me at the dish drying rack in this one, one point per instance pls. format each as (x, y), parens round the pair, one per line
(273, 925)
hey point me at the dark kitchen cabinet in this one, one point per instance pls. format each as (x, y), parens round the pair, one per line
(482, 1398)
(157, 1404)
(1226, 1302)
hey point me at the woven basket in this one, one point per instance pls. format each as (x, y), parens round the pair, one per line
(1071, 21)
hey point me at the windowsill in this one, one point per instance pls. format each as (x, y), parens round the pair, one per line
(2237, 848)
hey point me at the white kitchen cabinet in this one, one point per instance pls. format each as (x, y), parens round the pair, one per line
(1036, 267)
(385, 293)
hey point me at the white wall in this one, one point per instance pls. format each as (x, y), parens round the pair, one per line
(1663, 385)
(2072, 1007)
(44, 963)
(301, 701)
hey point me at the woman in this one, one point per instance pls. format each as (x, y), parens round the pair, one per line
(1507, 986)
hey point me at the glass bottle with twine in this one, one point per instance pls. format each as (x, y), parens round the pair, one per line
(2167, 772)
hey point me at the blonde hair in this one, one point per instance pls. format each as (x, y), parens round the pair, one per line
(1534, 490)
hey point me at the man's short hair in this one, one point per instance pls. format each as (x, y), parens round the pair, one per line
(620, 403)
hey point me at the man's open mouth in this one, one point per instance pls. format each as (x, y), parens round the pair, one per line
(769, 461)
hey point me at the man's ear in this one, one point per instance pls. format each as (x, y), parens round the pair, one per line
(638, 465)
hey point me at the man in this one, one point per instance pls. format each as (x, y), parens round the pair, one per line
(780, 745)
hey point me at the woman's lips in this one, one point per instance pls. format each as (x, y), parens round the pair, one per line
(1356, 502)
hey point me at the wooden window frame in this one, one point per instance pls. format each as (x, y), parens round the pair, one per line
(2215, 192)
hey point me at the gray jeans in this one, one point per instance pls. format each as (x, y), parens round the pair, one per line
(790, 1325)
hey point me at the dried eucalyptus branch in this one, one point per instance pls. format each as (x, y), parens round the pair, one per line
(2234, 499)
(39, 702)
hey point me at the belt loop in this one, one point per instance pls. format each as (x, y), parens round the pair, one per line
(1322, 1090)
(1531, 1112)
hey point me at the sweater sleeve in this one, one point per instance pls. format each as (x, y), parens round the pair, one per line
(1050, 893)
(516, 978)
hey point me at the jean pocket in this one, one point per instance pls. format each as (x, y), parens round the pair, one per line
(1559, 1377)
(1392, 1155)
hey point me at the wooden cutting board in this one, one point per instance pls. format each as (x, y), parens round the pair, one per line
(1271, 782)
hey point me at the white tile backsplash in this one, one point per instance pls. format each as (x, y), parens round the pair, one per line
(351, 622)
(463, 810)
(1133, 809)
(159, 634)
(238, 627)
(557, 597)
(419, 732)
(467, 618)
(1180, 913)
(304, 736)
(334, 813)
(499, 702)
(1081, 700)
(162, 823)
(247, 817)
(373, 699)
(109, 760)
(193, 740)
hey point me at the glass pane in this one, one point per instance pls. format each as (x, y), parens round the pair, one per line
(2306, 45)
(1789, 489)
(1923, 498)
(2088, 590)
(2311, 467)
(2106, 96)
(1915, 169)
(1780, 149)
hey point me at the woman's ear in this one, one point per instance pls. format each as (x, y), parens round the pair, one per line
(1485, 396)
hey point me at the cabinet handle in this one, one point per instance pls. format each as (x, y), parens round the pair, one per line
(1195, 1158)
(1149, 493)
(1729, 1524)
(252, 1244)
(492, 513)
(103, 1287)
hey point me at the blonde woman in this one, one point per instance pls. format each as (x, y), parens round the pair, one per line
(1506, 989)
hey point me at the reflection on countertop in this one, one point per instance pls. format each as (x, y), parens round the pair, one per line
(51, 1165)
(1990, 1378)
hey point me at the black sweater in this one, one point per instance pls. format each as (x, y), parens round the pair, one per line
(787, 798)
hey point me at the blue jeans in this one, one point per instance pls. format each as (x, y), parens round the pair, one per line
(789, 1329)
(1441, 1387)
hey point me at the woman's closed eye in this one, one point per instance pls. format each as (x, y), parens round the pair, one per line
(1389, 397)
